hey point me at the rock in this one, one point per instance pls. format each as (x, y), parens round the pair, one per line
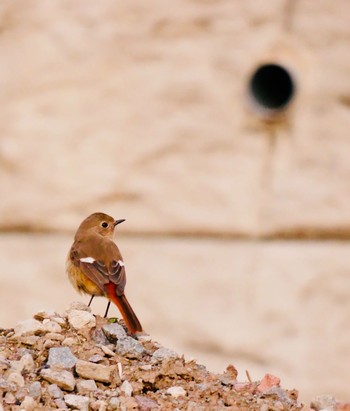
(176, 391)
(86, 386)
(268, 382)
(79, 319)
(96, 358)
(114, 403)
(144, 337)
(64, 379)
(324, 403)
(21, 393)
(97, 372)
(30, 340)
(231, 371)
(126, 388)
(99, 336)
(54, 391)
(35, 390)
(114, 332)
(42, 315)
(107, 351)
(9, 398)
(59, 320)
(77, 402)
(146, 367)
(28, 327)
(129, 347)
(27, 362)
(69, 341)
(77, 305)
(98, 405)
(51, 326)
(60, 404)
(16, 378)
(145, 403)
(61, 357)
(164, 353)
(280, 393)
(28, 404)
(49, 344)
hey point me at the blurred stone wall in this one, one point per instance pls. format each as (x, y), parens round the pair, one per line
(141, 110)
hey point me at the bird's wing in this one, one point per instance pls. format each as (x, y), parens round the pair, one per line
(99, 272)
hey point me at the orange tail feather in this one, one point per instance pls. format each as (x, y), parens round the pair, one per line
(125, 309)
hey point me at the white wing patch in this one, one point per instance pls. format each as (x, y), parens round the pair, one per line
(88, 260)
(121, 263)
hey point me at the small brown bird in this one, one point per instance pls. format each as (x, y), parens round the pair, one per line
(95, 266)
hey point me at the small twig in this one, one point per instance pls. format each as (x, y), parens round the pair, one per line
(248, 376)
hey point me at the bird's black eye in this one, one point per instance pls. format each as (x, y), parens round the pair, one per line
(104, 224)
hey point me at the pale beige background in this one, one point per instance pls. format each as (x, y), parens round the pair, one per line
(237, 232)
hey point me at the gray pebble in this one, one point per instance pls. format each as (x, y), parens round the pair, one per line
(164, 353)
(96, 358)
(54, 391)
(114, 332)
(129, 347)
(61, 357)
(77, 401)
(86, 386)
(35, 390)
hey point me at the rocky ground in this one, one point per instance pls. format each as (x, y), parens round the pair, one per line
(79, 361)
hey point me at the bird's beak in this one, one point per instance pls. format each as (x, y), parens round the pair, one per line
(116, 222)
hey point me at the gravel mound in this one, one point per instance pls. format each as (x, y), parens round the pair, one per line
(78, 361)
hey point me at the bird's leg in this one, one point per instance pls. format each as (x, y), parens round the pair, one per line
(109, 303)
(92, 297)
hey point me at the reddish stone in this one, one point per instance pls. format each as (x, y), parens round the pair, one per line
(268, 382)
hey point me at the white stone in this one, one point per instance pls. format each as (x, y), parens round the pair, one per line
(80, 319)
(107, 351)
(176, 391)
(54, 391)
(51, 326)
(78, 305)
(27, 327)
(16, 378)
(114, 403)
(28, 404)
(164, 353)
(126, 388)
(69, 341)
(86, 386)
(35, 390)
(27, 362)
(64, 379)
(77, 401)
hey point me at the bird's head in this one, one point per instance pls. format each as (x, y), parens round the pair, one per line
(99, 223)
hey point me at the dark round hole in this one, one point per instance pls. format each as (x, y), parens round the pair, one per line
(272, 87)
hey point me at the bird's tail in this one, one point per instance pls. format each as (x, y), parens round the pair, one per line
(125, 309)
